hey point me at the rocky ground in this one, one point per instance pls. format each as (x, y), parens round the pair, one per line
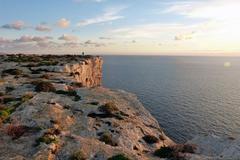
(52, 107)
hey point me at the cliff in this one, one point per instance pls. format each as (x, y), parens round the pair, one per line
(53, 107)
(50, 108)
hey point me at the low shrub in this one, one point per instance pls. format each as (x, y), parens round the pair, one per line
(119, 157)
(150, 139)
(107, 138)
(164, 152)
(26, 97)
(43, 86)
(12, 72)
(9, 89)
(108, 108)
(1, 94)
(4, 115)
(16, 131)
(45, 76)
(23, 58)
(47, 139)
(69, 93)
(78, 155)
(47, 63)
(7, 98)
(185, 148)
(77, 84)
(94, 103)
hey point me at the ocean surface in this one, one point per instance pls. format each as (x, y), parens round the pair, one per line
(188, 96)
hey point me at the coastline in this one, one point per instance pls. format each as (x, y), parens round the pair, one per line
(53, 107)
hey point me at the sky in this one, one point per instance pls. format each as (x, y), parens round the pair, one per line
(128, 27)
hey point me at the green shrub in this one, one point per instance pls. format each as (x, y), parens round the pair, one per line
(4, 114)
(150, 139)
(12, 72)
(164, 152)
(47, 138)
(43, 86)
(119, 157)
(108, 108)
(79, 155)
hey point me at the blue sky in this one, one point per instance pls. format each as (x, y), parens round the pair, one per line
(169, 27)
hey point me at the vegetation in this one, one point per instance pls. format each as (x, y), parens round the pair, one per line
(1, 94)
(176, 152)
(69, 93)
(5, 112)
(164, 152)
(119, 157)
(9, 89)
(150, 139)
(107, 138)
(26, 97)
(94, 103)
(79, 155)
(16, 131)
(108, 108)
(43, 86)
(47, 139)
(45, 76)
(77, 84)
(47, 63)
(23, 58)
(12, 72)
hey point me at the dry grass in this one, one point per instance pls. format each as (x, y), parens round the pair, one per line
(15, 131)
(108, 108)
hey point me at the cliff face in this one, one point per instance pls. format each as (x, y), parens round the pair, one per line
(88, 72)
(46, 112)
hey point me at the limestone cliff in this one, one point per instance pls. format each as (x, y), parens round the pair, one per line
(53, 107)
(88, 72)
(48, 111)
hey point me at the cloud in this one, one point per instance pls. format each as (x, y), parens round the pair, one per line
(105, 38)
(68, 38)
(63, 23)
(110, 14)
(91, 43)
(18, 25)
(43, 28)
(28, 38)
(153, 30)
(187, 36)
(212, 9)
(4, 41)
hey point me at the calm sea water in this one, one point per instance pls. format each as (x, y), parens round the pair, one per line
(188, 95)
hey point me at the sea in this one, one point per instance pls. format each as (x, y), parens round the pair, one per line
(188, 95)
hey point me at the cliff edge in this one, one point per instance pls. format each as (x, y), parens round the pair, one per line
(52, 107)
